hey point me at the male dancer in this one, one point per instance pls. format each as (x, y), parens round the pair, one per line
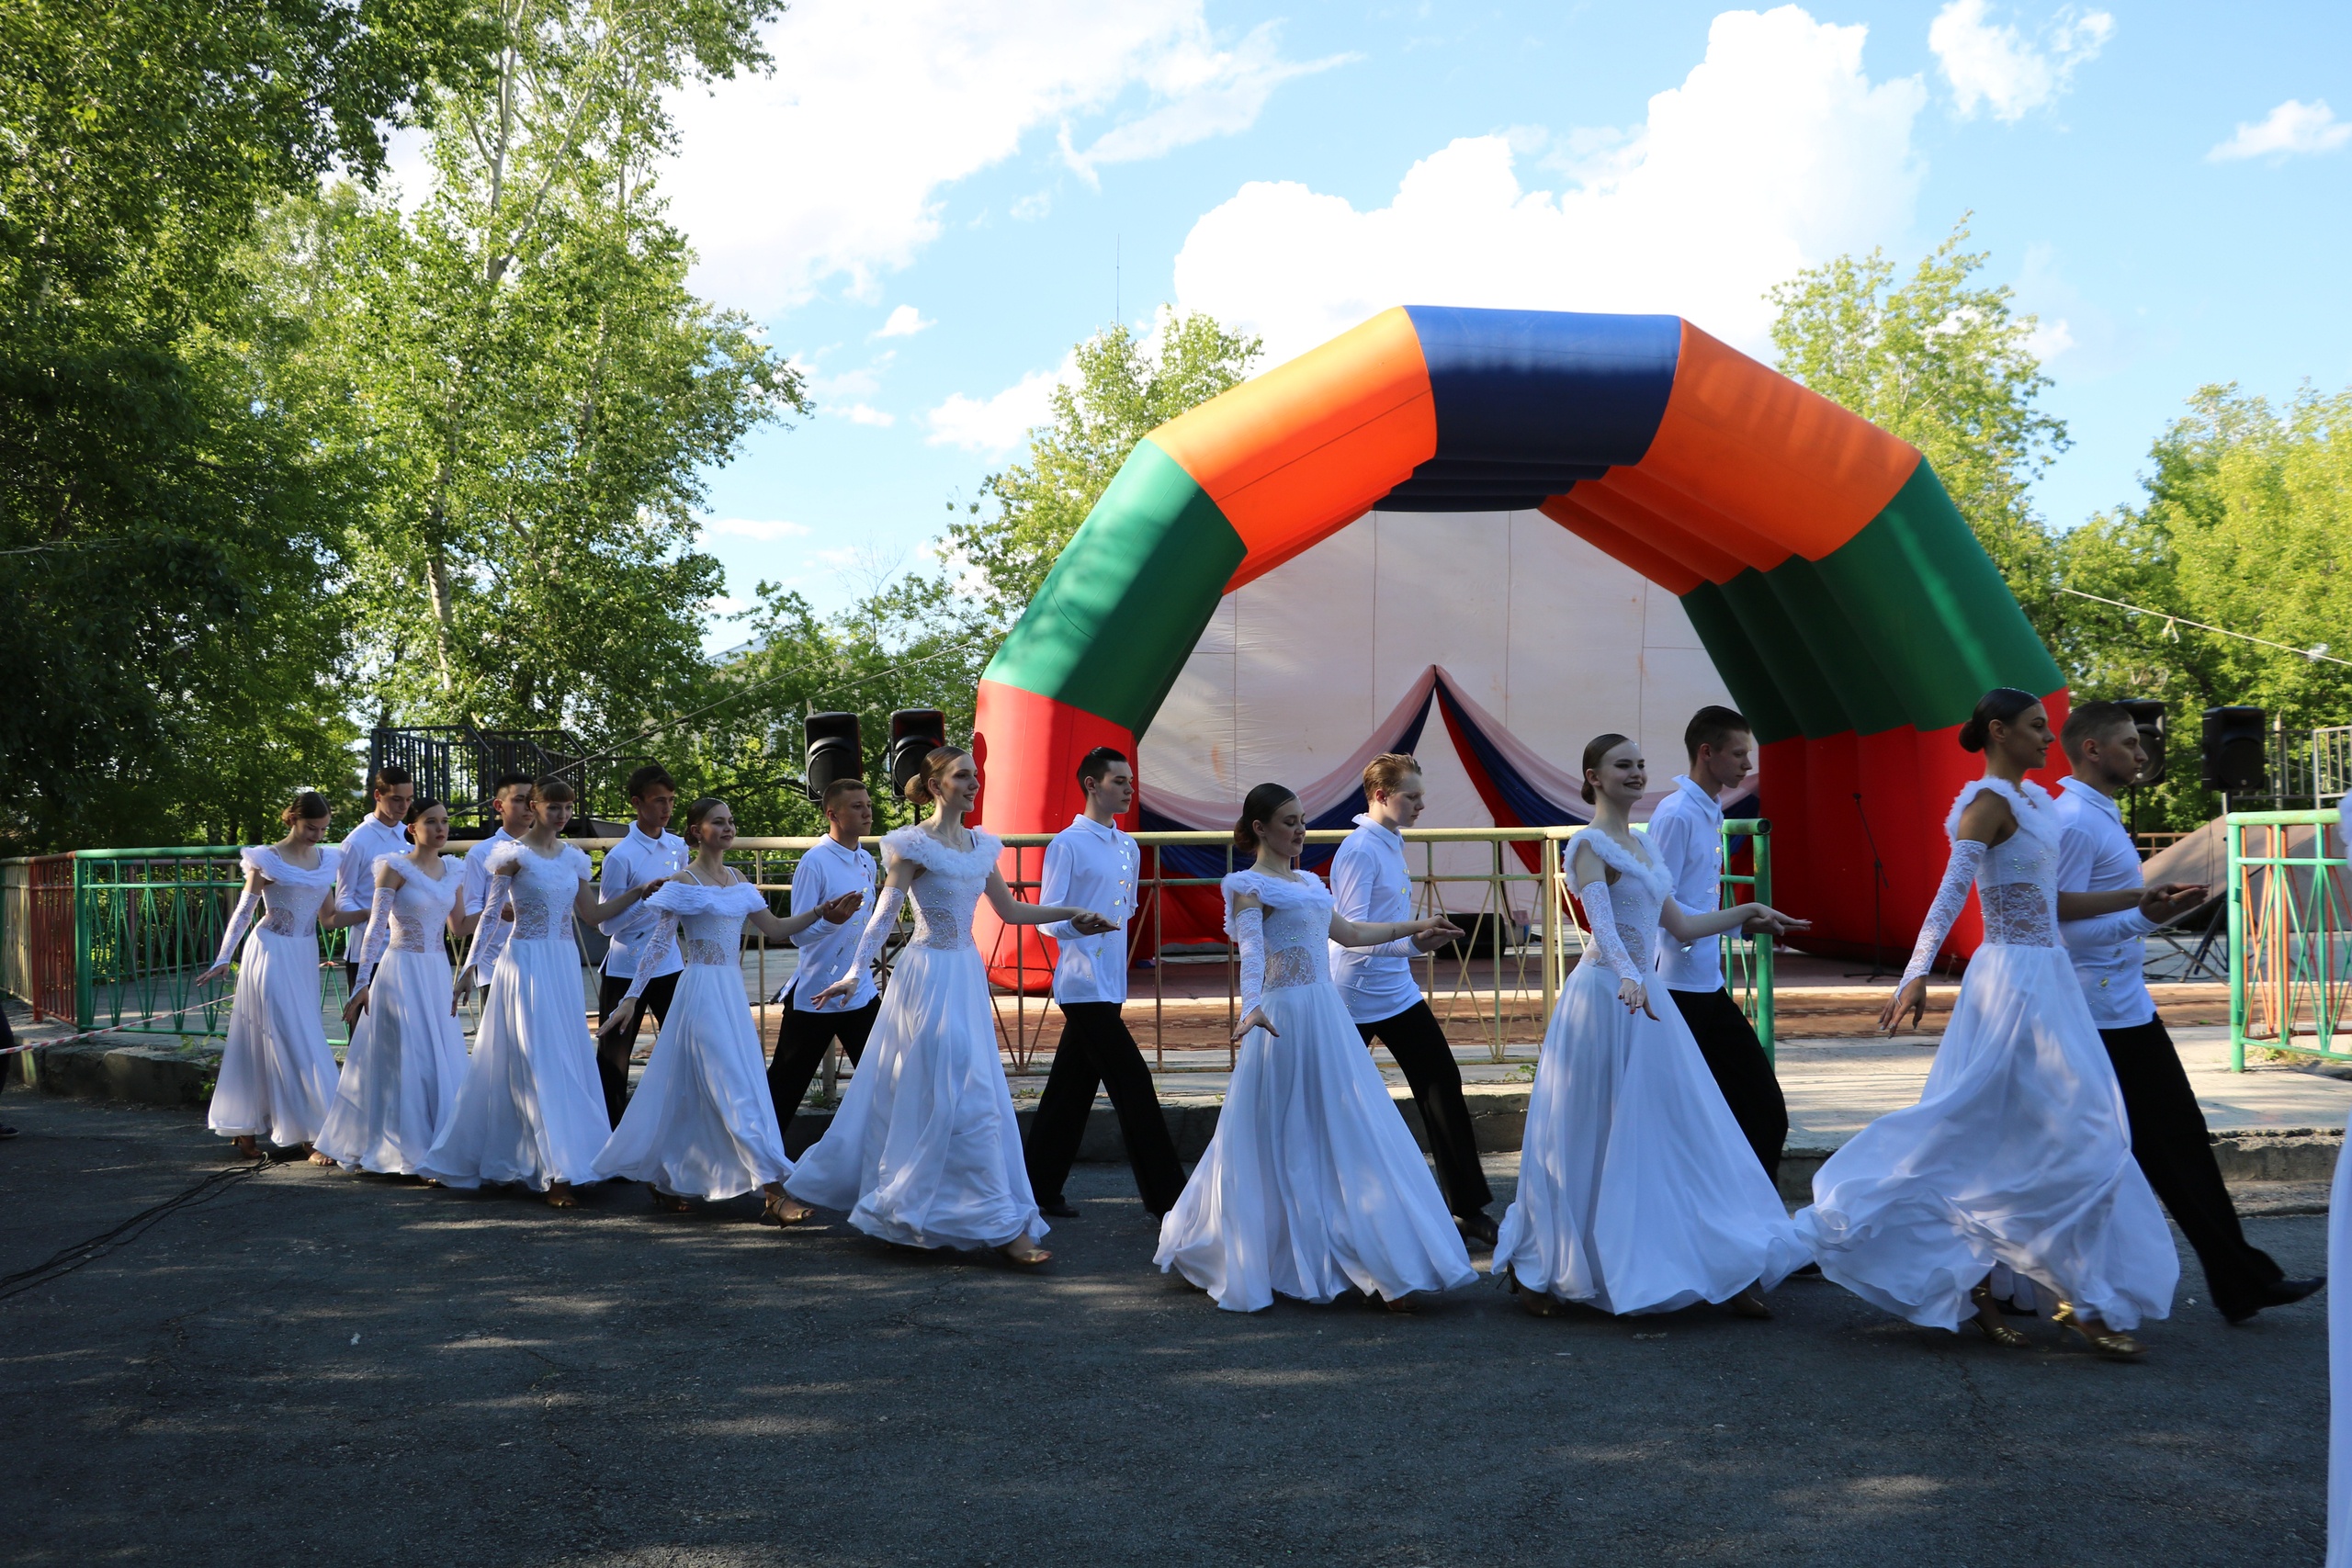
(382, 831)
(1093, 865)
(1687, 838)
(648, 850)
(835, 866)
(1369, 883)
(511, 800)
(2168, 1135)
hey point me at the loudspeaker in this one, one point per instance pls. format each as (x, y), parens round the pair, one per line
(2148, 717)
(915, 733)
(834, 750)
(2235, 749)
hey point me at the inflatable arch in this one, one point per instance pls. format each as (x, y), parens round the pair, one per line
(1843, 600)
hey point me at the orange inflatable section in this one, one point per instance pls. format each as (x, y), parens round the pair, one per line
(1296, 454)
(1570, 512)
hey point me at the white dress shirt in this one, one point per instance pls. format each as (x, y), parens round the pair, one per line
(1092, 867)
(355, 872)
(1686, 836)
(2096, 855)
(638, 858)
(1368, 884)
(477, 868)
(824, 873)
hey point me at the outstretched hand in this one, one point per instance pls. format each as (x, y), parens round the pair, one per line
(836, 910)
(1255, 1019)
(212, 974)
(1435, 933)
(1086, 923)
(1910, 996)
(2169, 900)
(1769, 921)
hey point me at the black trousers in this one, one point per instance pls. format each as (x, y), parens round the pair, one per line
(1743, 1072)
(612, 1055)
(2176, 1154)
(1414, 1038)
(1097, 1050)
(800, 1041)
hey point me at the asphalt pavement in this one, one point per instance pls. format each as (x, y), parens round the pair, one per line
(300, 1367)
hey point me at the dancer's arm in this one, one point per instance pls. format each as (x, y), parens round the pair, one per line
(1687, 927)
(1600, 923)
(599, 912)
(1053, 889)
(1951, 897)
(241, 919)
(376, 940)
(1384, 935)
(489, 933)
(650, 957)
(1013, 912)
(877, 931)
(1249, 926)
(783, 927)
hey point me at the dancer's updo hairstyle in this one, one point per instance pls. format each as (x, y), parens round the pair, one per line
(308, 806)
(418, 807)
(1260, 805)
(1598, 747)
(937, 763)
(696, 815)
(2000, 705)
(551, 792)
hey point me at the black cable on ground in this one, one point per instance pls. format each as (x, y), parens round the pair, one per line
(66, 1260)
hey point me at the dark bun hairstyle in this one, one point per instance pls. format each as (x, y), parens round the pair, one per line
(551, 792)
(309, 807)
(696, 815)
(1598, 747)
(1260, 805)
(2000, 705)
(419, 807)
(937, 763)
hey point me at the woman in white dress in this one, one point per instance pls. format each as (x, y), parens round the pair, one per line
(408, 1051)
(1637, 1192)
(924, 1150)
(702, 1123)
(1312, 1184)
(276, 1070)
(2017, 1160)
(531, 1109)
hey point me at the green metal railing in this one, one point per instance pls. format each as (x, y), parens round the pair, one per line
(1748, 960)
(2290, 978)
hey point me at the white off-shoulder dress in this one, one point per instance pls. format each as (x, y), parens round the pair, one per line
(1637, 1192)
(701, 1123)
(2017, 1160)
(278, 1072)
(924, 1150)
(531, 1109)
(1312, 1183)
(408, 1051)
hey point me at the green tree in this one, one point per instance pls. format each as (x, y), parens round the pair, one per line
(1124, 389)
(1943, 362)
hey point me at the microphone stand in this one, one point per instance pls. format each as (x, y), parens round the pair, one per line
(1878, 881)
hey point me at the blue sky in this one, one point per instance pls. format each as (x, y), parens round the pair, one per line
(924, 203)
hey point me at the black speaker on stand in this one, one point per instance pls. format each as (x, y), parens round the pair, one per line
(834, 750)
(2148, 718)
(915, 734)
(2234, 752)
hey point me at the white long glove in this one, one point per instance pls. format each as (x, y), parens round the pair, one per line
(1600, 917)
(241, 919)
(378, 937)
(1951, 896)
(1248, 929)
(491, 934)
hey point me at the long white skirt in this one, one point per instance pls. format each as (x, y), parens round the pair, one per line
(531, 1109)
(924, 1150)
(1312, 1183)
(401, 1074)
(1637, 1192)
(2017, 1154)
(276, 1070)
(701, 1123)
(2339, 1366)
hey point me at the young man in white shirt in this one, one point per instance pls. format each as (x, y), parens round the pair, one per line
(1369, 882)
(2168, 1135)
(647, 852)
(1686, 836)
(834, 866)
(511, 802)
(381, 832)
(1093, 865)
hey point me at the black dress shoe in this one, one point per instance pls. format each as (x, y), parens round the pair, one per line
(1058, 1208)
(2279, 1294)
(1479, 1228)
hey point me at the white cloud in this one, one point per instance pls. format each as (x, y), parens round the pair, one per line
(862, 413)
(832, 166)
(2293, 127)
(2049, 338)
(904, 321)
(1034, 205)
(766, 530)
(996, 426)
(1996, 66)
(1776, 152)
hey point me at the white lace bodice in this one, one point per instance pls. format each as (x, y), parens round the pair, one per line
(420, 905)
(1637, 899)
(950, 886)
(291, 901)
(543, 890)
(709, 920)
(1295, 923)
(2017, 882)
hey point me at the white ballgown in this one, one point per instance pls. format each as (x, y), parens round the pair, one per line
(924, 1150)
(1637, 1192)
(1312, 1183)
(701, 1123)
(408, 1051)
(2017, 1157)
(531, 1109)
(276, 1070)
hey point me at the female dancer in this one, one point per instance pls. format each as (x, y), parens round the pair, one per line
(408, 1051)
(1311, 1183)
(702, 1123)
(924, 1151)
(531, 1109)
(1637, 1192)
(276, 1070)
(2017, 1157)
